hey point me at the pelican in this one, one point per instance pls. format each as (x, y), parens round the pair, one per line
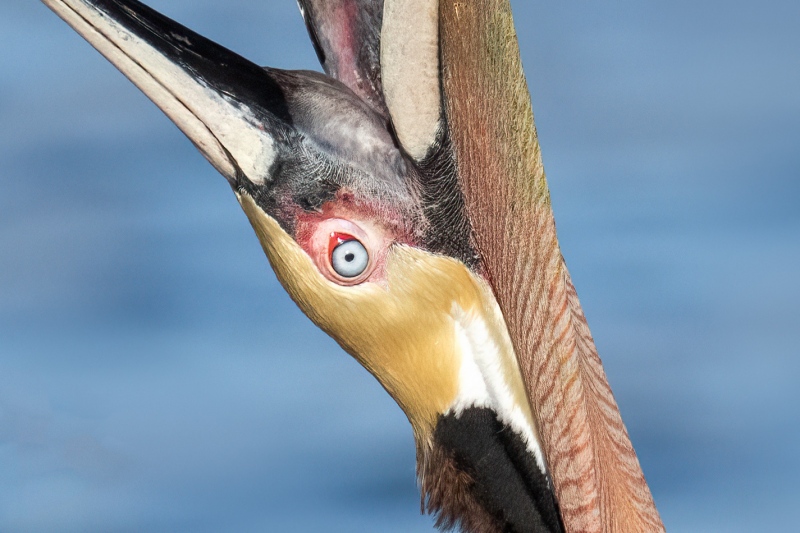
(401, 201)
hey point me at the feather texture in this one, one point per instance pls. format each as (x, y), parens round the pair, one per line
(596, 473)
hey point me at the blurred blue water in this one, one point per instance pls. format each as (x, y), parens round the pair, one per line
(154, 376)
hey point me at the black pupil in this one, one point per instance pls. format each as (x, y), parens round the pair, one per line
(349, 256)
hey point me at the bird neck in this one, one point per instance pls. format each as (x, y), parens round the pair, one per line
(482, 467)
(479, 474)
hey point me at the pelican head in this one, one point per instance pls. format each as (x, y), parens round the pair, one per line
(401, 203)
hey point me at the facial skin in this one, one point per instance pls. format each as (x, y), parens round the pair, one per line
(333, 242)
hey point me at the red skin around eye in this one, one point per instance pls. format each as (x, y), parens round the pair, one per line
(320, 236)
(319, 232)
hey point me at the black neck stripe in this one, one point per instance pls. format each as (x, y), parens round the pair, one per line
(508, 483)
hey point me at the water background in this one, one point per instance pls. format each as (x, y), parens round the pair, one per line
(155, 377)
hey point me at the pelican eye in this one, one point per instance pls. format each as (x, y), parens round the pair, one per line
(349, 258)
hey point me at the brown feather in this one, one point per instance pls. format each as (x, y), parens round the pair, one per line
(597, 477)
(447, 493)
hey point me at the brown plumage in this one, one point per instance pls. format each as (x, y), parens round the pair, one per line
(447, 494)
(597, 477)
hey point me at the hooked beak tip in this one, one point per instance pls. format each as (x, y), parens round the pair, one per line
(209, 92)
